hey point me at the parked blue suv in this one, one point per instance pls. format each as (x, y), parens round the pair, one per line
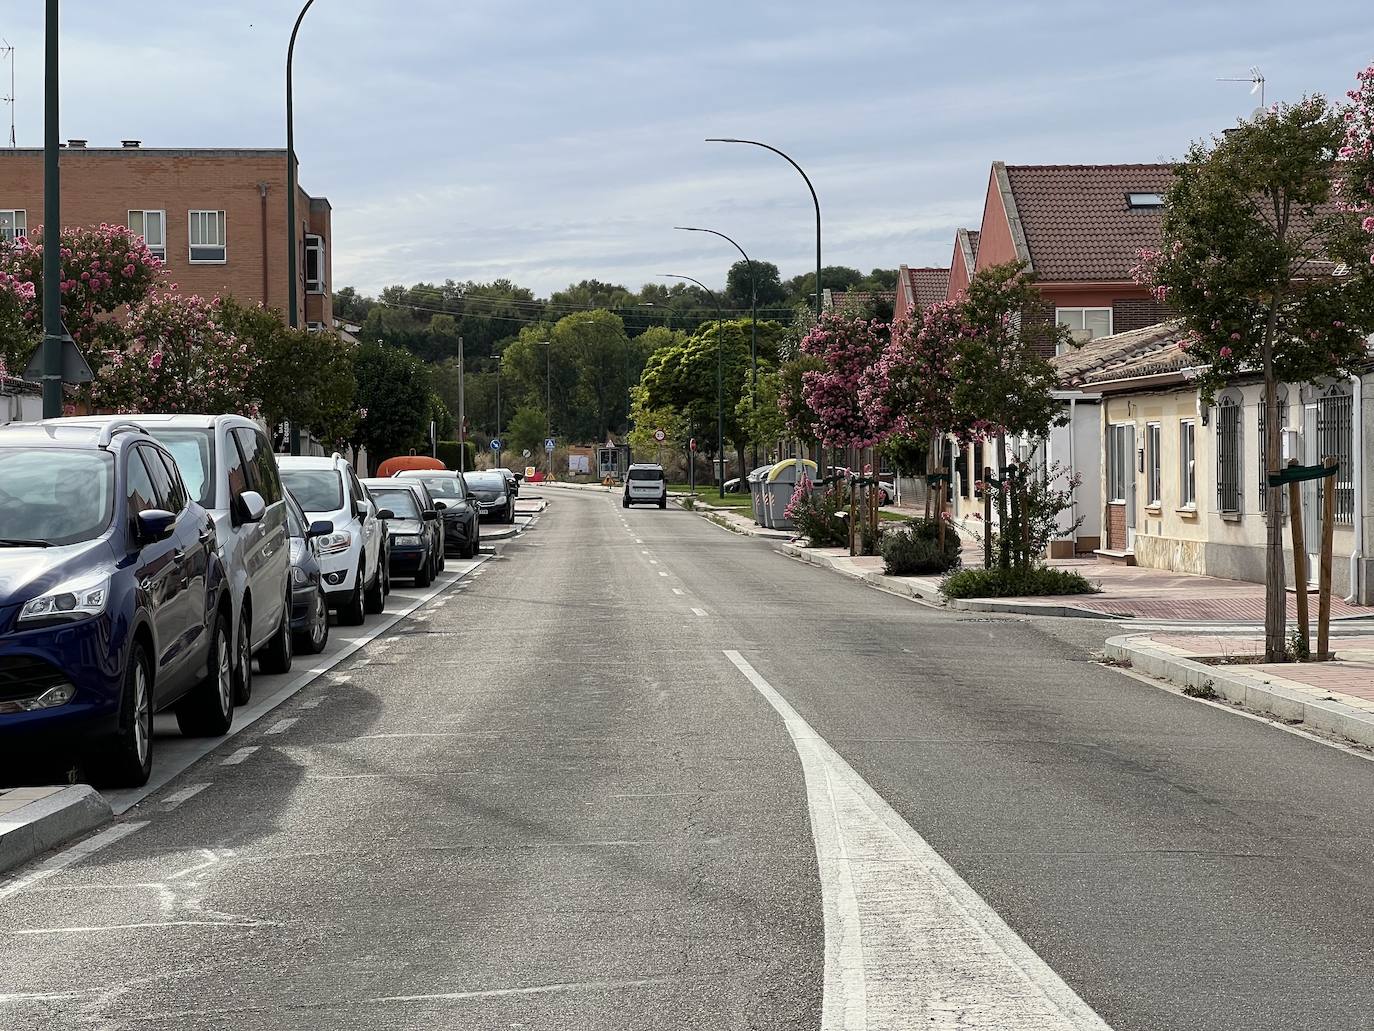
(113, 600)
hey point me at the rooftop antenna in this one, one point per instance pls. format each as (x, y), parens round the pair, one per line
(1256, 80)
(8, 52)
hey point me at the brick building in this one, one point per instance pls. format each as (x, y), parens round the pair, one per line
(917, 290)
(217, 218)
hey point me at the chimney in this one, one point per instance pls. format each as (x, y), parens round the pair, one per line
(77, 144)
(131, 144)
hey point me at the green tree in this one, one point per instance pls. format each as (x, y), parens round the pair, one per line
(352, 306)
(525, 430)
(770, 289)
(1268, 274)
(393, 399)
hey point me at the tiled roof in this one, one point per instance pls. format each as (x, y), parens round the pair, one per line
(928, 285)
(1078, 226)
(859, 298)
(1125, 356)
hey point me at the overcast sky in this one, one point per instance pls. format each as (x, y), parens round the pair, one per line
(549, 142)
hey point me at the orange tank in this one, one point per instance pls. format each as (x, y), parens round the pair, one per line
(404, 463)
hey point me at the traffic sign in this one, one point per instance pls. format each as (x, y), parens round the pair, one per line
(496, 444)
(548, 444)
(694, 443)
(525, 453)
(660, 436)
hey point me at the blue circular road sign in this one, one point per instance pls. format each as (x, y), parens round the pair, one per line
(496, 444)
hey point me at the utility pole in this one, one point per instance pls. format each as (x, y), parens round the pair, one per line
(548, 405)
(52, 227)
(292, 257)
(462, 414)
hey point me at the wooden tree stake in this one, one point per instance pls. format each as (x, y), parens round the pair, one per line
(1299, 557)
(1324, 599)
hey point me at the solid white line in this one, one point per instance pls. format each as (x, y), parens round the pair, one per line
(75, 854)
(699, 612)
(186, 793)
(497, 993)
(281, 726)
(133, 927)
(240, 755)
(907, 942)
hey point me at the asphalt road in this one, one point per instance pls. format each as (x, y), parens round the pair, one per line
(638, 772)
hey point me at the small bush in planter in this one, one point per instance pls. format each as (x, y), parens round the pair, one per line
(1015, 583)
(914, 549)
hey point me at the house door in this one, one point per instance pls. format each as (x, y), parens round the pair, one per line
(1311, 500)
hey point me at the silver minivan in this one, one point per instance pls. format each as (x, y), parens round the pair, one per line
(228, 466)
(645, 484)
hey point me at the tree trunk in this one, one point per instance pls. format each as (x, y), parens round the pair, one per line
(1275, 597)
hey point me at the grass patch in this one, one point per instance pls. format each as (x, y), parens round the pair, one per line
(1015, 583)
(706, 495)
(1205, 691)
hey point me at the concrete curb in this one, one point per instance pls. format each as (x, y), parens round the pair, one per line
(1253, 690)
(47, 822)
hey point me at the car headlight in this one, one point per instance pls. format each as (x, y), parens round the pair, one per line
(299, 577)
(406, 540)
(68, 603)
(333, 543)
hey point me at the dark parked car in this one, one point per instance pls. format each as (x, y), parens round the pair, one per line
(114, 602)
(493, 495)
(309, 605)
(462, 536)
(416, 542)
(513, 478)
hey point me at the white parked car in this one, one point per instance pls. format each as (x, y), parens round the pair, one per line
(645, 484)
(228, 466)
(351, 557)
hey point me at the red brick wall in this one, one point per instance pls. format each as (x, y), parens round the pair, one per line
(1116, 527)
(959, 273)
(1137, 313)
(995, 245)
(101, 185)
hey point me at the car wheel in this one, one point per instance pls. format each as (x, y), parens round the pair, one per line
(662, 502)
(624, 502)
(473, 546)
(353, 612)
(127, 759)
(243, 662)
(424, 576)
(375, 601)
(316, 635)
(208, 710)
(276, 657)
(443, 561)
(386, 578)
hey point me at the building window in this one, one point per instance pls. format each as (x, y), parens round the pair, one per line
(1230, 441)
(1120, 460)
(314, 327)
(13, 225)
(152, 226)
(1335, 427)
(1152, 463)
(1262, 449)
(208, 243)
(1145, 200)
(314, 265)
(1187, 464)
(1084, 324)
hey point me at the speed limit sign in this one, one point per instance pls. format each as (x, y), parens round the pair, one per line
(660, 436)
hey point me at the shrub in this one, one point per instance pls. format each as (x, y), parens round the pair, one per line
(816, 515)
(1014, 583)
(914, 549)
(447, 451)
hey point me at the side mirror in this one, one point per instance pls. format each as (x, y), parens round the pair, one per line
(519, 477)
(386, 513)
(251, 507)
(320, 528)
(439, 506)
(155, 524)
(360, 509)
(430, 514)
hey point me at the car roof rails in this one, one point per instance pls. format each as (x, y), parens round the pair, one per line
(108, 431)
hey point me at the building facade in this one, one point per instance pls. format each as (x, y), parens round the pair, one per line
(217, 218)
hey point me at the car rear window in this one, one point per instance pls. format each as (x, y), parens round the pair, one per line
(646, 474)
(195, 456)
(441, 486)
(317, 490)
(399, 499)
(484, 481)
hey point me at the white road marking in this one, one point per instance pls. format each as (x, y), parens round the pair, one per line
(653, 561)
(497, 993)
(75, 854)
(240, 755)
(638, 541)
(133, 927)
(208, 859)
(678, 590)
(370, 737)
(699, 612)
(281, 726)
(662, 573)
(342, 678)
(907, 942)
(185, 794)
(645, 552)
(311, 703)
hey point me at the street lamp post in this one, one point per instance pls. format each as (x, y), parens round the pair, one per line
(720, 407)
(52, 227)
(292, 296)
(753, 324)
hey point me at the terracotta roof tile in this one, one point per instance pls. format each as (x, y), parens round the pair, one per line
(928, 285)
(1077, 223)
(1120, 356)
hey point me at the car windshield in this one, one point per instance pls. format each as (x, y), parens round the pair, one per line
(443, 486)
(646, 474)
(318, 490)
(194, 451)
(55, 495)
(484, 481)
(399, 499)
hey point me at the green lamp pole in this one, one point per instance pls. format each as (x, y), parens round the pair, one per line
(720, 378)
(753, 323)
(52, 228)
(292, 259)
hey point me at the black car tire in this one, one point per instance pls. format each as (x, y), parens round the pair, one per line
(424, 576)
(315, 636)
(119, 763)
(473, 546)
(352, 612)
(443, 561)
(275, 656)
(375, 601)
(663, 502)
(208, 711)
(625, 501)
(510, 511)
(386, 579)
(243, 662)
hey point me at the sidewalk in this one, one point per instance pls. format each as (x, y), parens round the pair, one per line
(1336, 697)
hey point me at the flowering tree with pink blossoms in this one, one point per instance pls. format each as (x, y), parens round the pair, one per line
(847, 345)
(175, 357)
(1266, 258)
(15, 339)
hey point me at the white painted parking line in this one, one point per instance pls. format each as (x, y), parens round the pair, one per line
(185, 794)
(344, 678)
(282, 726)
(645, 551)
(68, 856)
(240, 756)
(678, 590)
(311, 703)
(699, 612)
(662, 573)
(907, 942)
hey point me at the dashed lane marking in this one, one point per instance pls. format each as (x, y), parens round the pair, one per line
(240, 755)
(68, 856)
(282, 726)
(662, 572)
(678, 590)
(699, 612)
(184, 795)
(311, 703)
